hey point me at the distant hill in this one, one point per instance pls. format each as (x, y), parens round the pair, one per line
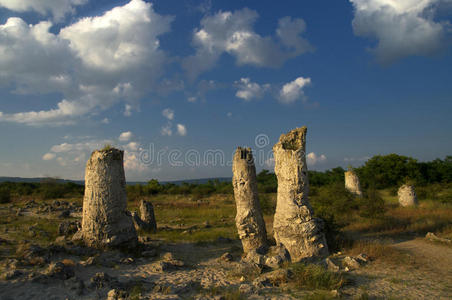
(44, 179)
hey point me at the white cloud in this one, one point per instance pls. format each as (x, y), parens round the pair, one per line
(94, 63)
(181, 130)
(293, 90)
(57, 8)
(127, 110)
(166, 130)
(168, 113)
(191, 99)
(48, 156)
(313, 159)
(125, 136)
(132, 146)
(248, 90)
(233, 33)
(105, 121)
(402, 28)
(357, 159)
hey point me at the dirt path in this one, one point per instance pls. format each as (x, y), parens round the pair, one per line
(436, 257)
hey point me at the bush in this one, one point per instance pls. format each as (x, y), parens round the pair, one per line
(372, 205)
(313, 277)
(267, 205)
(5, 195)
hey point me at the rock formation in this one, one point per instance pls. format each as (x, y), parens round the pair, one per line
(147, 215)
(249, 221)
(294, 225)
(407, 195)
(352, 183)
(106, 221)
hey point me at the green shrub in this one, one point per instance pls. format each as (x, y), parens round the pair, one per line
(5, 195)
(313, 277)
(267, 205)
(372, 204)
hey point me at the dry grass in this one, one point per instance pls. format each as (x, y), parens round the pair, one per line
(377, 250)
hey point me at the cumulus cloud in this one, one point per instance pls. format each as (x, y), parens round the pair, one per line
(168, 113)
(125, 136)
(402, 28)
(166, 130)
(293, 90)
(181, 130)
(248, 90)
(48, 156)
(313, 159)
(93, 63)
(57, 8)
(233, 33)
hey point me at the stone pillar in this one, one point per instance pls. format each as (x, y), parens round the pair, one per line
(147, 215)
(106, 221)
(352, 183)
(407, 195)
(294, 225)
(249, 221)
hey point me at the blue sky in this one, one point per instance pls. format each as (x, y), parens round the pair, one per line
(186, 82)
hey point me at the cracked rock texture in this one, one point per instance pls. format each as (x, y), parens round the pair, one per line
(407, 195)
(294, 225)
(352, 183)
(106, 221)
(147, 215)
(249, 221)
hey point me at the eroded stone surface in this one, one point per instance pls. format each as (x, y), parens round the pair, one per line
(407, 195)
(294, 225)
(147, 215)
(106, 221)
(249, 221)
(352, 183)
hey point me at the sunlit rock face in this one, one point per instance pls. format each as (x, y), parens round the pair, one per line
(407, 196)
(294, 225)
(106, 221)
(352, 183)
(249, 221)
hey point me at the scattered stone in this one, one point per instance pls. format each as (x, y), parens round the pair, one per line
(59, 270)
(12, 274)
(249, 221)
(127, 261)
(275, 278)
(434, 238)
(106, 221)
(352, 183)
(294, 225)
(362, 258)
(206, 224)
(246, 289)
(277, 256)
(67, 228)
(407, 196)
(117, 294)
(254, 257)
(32, 254)
(227, 257)
(331, 265)
(351, 263)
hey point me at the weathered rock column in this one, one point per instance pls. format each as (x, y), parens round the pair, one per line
(147, 215)
(294, 225)
(249, 221)
(407, 195)
(106, 221)
(352, 183)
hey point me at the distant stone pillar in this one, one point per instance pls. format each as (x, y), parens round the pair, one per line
(147, 215)
(294, 225)
(249, 221)
(106, 221)
(352, 183)
(407, 196)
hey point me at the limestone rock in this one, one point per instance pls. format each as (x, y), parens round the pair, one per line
(147, 215)
(294, 225)
(249, 221)
(106, 221)
(407, 195)
(352, 183)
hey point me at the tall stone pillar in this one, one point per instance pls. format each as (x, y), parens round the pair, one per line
(249, 221)
(106, 221)
(294, 225)
(407, 195)
(352, 183)
(147, 215)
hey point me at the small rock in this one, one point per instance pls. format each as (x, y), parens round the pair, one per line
(13, 274)
(351, 263)
(102, 280)
(254, 257)
(331, 265)
(127, 260)
(227, 257)
(117, 294)
(432, 237)
(362, 258)
(59, 270)
(206, 224)
(246, 289)
(68, 227)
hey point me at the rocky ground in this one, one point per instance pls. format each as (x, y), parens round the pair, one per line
(39, 261)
